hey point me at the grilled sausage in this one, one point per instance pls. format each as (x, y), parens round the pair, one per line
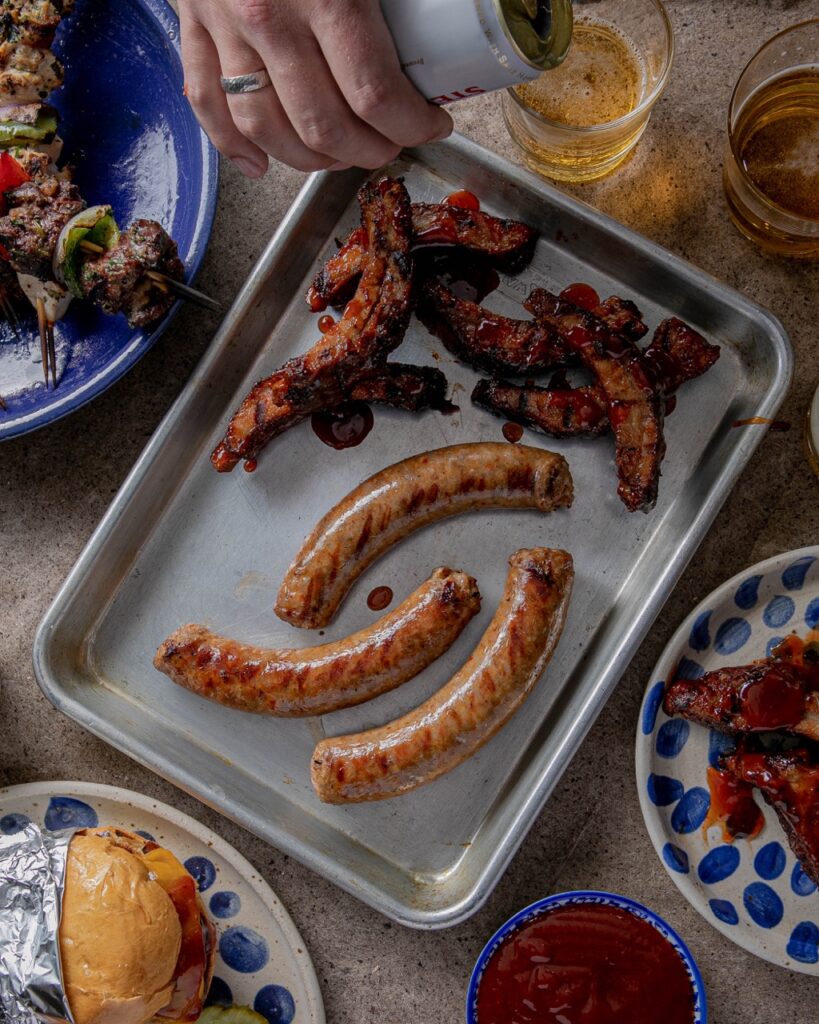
(449, 727)
(404, 497)
(317, 680)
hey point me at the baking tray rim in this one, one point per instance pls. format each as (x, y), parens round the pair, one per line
(493, 868)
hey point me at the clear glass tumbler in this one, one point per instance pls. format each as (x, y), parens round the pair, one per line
(771, 169)
(582, 119)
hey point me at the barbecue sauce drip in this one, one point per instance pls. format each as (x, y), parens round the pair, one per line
(466, 200)
(316, 303)
(343, 427)
(588, 963)
(732, 806)
(513, 432)
(582, 295)
(325, 323)
(251, 466)
(379, 598)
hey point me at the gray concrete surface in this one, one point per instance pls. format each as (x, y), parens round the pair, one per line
(56, 484)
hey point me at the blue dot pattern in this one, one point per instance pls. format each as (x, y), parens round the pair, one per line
(11, 824)
(663, 790)
(203, 871)
(779, 611)
(66, 812)
(770, 861)
(145, 835)
(225, 904)
(276, 1004)
(652, 707)
(691, 811)
(718, 864)
(802, 884)
(812, 614)
(793, 578)
(220, 993)
(688, 669)
(724, 910)
(775, 641)
(700, 637)
(672, 736)
(732, 635)
(747, 593)
(719, 744)
(803, 944)
(676, 859)
(764, 906)
(244, 950)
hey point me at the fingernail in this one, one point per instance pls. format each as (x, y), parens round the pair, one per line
(248, 167)
(339, 167)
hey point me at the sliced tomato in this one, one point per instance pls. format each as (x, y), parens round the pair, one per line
(12, 173)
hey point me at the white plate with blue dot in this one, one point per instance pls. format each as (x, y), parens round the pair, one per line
(754, 891)
(261, 960)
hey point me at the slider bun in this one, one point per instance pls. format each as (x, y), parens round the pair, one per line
(120, 934)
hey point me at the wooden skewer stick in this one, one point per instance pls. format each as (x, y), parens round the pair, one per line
(52, 351)
(181, 289)
(42, 323)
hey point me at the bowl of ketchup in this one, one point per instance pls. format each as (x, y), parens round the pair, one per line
(585, 958)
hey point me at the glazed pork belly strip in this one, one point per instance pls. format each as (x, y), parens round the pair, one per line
(373, 324)
(503, 345)
(789, 782)
(677, 354)
(766, 695)
(403, 498)
(318, 680)
(480, 698)
(634, 404)
(507, 244)
(404, 386)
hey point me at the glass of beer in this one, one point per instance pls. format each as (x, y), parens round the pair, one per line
(771, 170)
(582, 119)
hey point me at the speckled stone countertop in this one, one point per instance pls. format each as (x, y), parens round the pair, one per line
(56, 484)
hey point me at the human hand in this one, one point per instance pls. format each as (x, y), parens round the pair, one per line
(338, 96)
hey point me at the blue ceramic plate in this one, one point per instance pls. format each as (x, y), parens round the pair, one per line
(753, 891)
(588, 897)
(135, 144)
(262, 960)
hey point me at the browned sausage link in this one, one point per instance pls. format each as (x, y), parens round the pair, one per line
(404, 497)
(317, 680)
(449, 727)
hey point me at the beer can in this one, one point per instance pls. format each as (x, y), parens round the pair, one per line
(454, 49)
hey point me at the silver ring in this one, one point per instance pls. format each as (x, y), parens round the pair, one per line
(246, 83)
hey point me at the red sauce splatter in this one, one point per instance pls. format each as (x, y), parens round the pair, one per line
(585, 962)
(466, 200)
(325, 323)
(732, 806)
(315, 301)
(343, 427)
(582, 295)
(774, 701)
(670, 404)
(379, 598)
(782, 425)
(513, 432)
(251, 466)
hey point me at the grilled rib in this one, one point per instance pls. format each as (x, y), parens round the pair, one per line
(373, 324)
(634, 404)
(404, 386)
(508, 244)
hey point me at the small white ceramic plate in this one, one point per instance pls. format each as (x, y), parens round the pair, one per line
(753, 891)
(262, 961)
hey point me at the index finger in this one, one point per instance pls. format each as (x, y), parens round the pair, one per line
(360, 52)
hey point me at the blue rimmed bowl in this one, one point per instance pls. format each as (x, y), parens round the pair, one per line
(563, 899)
(135, 144)
(752, 890)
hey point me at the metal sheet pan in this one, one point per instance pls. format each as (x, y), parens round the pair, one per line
(181, 543)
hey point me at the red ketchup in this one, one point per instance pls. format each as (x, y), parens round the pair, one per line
(379, 598)
(732, 806)
(466, 200)
(585, 964)
(582, 295)
(344, 427)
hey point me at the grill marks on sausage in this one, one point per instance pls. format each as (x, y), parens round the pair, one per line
(318, 680)
(373, 324)
(449, 727)
(405, 497)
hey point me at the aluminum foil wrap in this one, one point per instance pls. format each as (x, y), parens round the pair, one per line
(32, 878)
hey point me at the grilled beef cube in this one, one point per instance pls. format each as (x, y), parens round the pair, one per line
(32, 22)
(116, 280)
(38, 211)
